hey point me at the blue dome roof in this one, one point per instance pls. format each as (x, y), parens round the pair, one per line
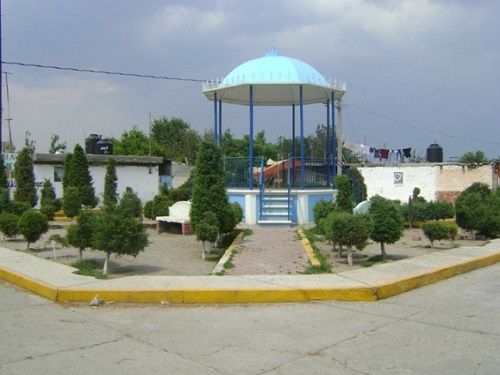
(274, 68)
(276, 80)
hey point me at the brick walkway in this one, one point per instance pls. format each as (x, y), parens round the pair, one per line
(270, 250)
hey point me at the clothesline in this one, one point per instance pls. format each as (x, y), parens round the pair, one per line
(382, 154)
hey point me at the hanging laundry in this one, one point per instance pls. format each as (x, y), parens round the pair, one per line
(407, 152)
(377, 153)
(399, 156)
(384, 153)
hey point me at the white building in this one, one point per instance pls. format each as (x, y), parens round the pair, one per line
(143, 174)
(436, 181)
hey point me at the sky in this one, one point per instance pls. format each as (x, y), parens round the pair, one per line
(417, 72)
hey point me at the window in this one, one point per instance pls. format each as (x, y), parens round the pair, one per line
(58, 173)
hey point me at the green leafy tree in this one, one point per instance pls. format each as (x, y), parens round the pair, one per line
(322, 209)
(132, 142)
(32, 225)
(478, 209)
(115, 233)
(5, 203)
(439, 210)
(68, 171)
(387, 222)
(130, 204)
(80, 234)
(110, 196)
(436, 231)
(81, 178)
(207, 231)
(25, 178)
(3, 174)
(358, 184)
(209, 190)
(344, 198)
(148, 210)
(174, 139)
(471, 157)
(9, 224)
(72, 201)
(48, 203)
(56, 145)
(349, 230)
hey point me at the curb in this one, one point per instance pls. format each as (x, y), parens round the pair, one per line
(267, 292)
(308, 248)
(219, 267)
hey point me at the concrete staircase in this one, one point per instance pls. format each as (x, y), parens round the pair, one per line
(274, 209)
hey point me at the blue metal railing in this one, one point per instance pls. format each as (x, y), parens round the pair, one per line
(289, 189)
(261, 187)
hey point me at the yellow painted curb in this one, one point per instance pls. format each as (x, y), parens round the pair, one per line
(396, 287)
(36, 286)
(223, 296)
(308, 248)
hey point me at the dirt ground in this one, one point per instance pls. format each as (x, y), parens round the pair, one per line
(413, 243)
(175, 254)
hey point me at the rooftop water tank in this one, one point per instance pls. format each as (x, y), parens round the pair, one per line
(90, 143)
(434, 153)
(104, 147)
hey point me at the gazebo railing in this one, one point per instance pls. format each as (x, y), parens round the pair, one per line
(294, 173)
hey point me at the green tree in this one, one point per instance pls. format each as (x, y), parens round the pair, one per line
(68, 171)
(48, 200)
(130, 204)
(174, 139)
(110, 196)
(72, 201)
(132, 142)
(3, 174)
(349, 230)
(5, 203)
(32, 225)
(9, 224)
(436, 231)
(25, 178)
(358, 184)
(209, 190)
(55, 145)
(478, 209)
(344, 199)
(387, 222)
(439, 210)
(80, 234)
(471, 157)
(322, 209)
(80, 177)
(115, 233)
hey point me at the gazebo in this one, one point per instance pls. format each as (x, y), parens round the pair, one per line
(285, 191)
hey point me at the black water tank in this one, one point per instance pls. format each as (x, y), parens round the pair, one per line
(90, 143)
(434, 153)
(104, 147)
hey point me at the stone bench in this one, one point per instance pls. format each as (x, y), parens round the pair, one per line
(178, 214)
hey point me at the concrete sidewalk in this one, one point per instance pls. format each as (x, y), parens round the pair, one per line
(58, 282)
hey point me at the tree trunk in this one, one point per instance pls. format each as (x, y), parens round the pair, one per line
(105, 268)
(340, 251)
(349, 255)
(28, 246)
(382, 248)
(81, 255)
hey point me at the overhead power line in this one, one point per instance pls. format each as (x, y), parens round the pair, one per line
(107, 72)
(407, 124)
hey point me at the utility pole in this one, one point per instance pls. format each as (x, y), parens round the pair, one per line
(1, 114)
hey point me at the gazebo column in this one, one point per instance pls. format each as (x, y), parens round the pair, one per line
(332, 156)
(339, 138)
(302, 177)
(215, 118)
(219, 140)
(292, 167)
(250, 140)
(328, 171)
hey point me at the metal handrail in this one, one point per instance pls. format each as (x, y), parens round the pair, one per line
(289, 189)
(261, 187)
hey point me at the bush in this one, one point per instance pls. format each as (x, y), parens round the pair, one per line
(322, 209)
(19, 208)
(208, 228)
(32, 225)
(440, 210)
(387, 222)
(344, 199)
(161, 203)
(48, 200)
(148, 210)
(72, 202)
(435, 231)
(8, 224)
(80, 234)
(233, 215)
(130, 204)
